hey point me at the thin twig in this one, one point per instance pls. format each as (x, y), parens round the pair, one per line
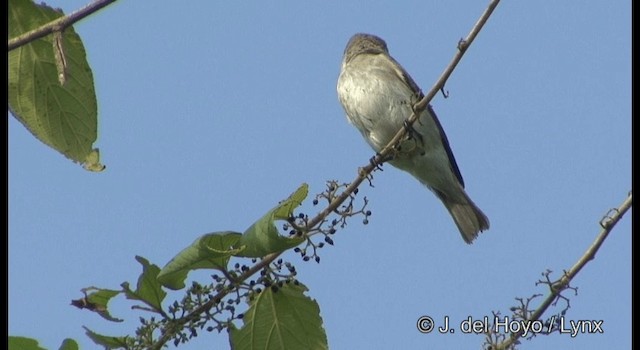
(57, 25)
(463, 45)
(363, 173)
(556, 288)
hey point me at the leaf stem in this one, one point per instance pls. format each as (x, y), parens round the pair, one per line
(57, 25)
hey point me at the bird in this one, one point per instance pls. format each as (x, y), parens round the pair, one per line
(377, 95)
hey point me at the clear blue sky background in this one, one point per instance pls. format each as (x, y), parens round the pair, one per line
(211, 112)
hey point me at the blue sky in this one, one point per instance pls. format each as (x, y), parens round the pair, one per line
(211, 112)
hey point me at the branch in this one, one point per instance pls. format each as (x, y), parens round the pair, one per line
(463, 45)
(57, 25)
(363, 174)
(607, 223)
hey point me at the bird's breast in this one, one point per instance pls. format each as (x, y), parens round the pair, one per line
(376, 101)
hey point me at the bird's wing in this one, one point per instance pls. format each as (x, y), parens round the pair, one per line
(447, 148)
(402, 74)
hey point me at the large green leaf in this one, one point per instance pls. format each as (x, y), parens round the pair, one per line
(23, 343)
(263, 238)
(148, 288)
(286, 319)
(211, 251)
(63, 116)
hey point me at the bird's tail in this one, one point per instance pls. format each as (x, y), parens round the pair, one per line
(467, 216)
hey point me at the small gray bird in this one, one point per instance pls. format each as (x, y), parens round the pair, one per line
(378, 94)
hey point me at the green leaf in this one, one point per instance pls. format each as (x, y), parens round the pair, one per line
(97, 302)
(63, 116)
(211, 251)
(263, 238)
(148, 289)
(23, 343)
(68, 344)
(108, 342)
(286, 319)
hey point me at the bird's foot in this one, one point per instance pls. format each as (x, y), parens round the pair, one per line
(412, 134)
(377, 161)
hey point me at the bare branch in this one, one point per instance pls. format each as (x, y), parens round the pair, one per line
(608, 223)
(57, 25)
(463, 45)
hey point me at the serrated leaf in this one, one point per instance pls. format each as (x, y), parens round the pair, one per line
(148, 288)
(108, 342)
(69, 344)
(211, 251)
(97, 302)
(263, 237)
(65, 117)
(23, 343)
(286, 319)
